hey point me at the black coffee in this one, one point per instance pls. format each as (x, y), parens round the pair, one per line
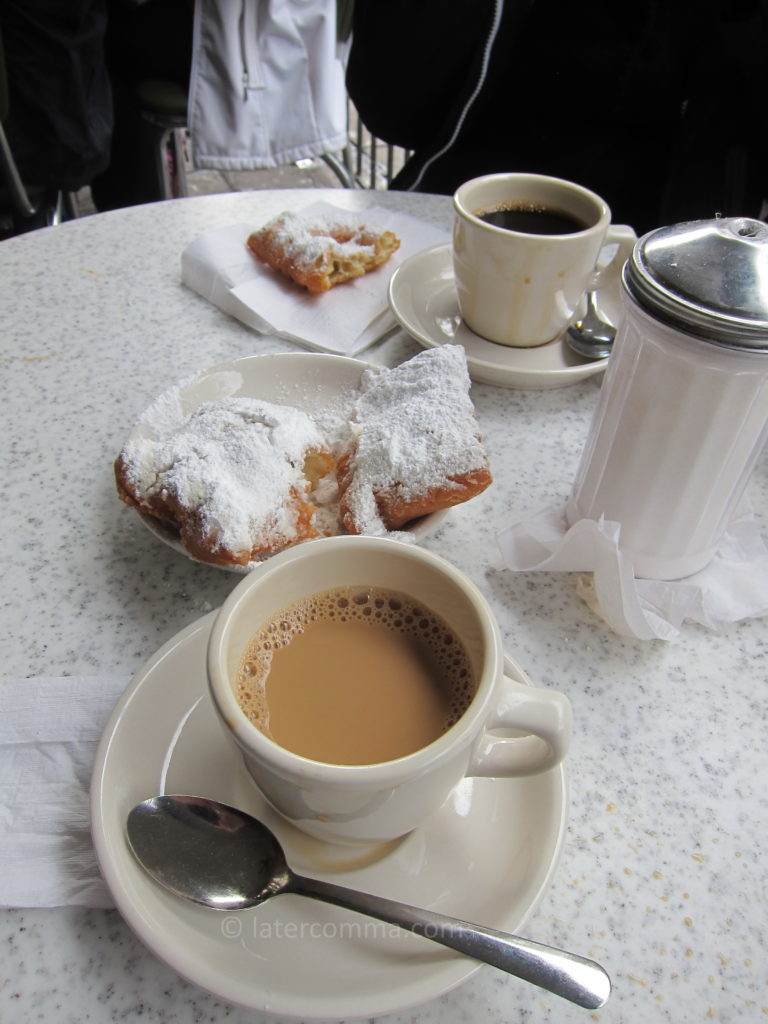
(531, 218)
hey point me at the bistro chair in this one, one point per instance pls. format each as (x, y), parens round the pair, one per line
(22, 207)
(164, 118)
(164, 122)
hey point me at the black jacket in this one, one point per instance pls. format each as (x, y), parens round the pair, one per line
(59, 120)
(649, 103)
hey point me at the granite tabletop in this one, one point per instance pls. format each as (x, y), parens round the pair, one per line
(663, 874)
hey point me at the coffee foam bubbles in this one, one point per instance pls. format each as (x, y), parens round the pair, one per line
(386, 609)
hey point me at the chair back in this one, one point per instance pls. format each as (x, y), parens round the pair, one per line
(17, 207)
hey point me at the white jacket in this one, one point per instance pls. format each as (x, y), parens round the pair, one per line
(267, 85)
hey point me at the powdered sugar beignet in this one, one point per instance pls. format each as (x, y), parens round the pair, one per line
(319, 252)
(234, 479)
(417, 447)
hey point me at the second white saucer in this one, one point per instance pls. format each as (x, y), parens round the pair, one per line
(422, 294)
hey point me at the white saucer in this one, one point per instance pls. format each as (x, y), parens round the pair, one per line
(487, 855)
(318, 383)
(422, 294)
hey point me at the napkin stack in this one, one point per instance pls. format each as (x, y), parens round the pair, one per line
(344, 320)
(50, 729)
(734, 586)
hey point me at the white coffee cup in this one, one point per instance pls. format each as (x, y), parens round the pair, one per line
(376, 802)
(522, 288)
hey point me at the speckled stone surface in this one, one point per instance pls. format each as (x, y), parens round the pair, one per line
(664, 873)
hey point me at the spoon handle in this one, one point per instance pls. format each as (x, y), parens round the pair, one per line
(581, 981)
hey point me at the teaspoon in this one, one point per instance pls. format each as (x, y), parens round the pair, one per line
(221, 857)
(591, 336)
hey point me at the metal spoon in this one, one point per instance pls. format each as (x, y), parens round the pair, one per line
(591, 336)
(220, 857)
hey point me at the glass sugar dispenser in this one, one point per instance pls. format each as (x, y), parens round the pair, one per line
(683, 411)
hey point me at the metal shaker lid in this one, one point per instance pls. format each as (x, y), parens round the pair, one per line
(707, 277)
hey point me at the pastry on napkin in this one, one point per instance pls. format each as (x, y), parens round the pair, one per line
(219, 266)
(320, 252)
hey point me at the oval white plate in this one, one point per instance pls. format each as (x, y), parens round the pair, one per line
(422, 294)
(487, 855)
(319, 384)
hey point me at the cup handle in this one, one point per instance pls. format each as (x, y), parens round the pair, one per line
(617, 248)
(538, 726)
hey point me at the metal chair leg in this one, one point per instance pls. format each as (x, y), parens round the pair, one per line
(339, 170)
(19, 198)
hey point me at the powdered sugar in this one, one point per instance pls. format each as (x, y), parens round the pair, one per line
(309, 241)
(234, 462)
(416, 429)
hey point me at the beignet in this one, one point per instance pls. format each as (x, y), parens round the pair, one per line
(320, 252)
(417, 447)
(234, 479)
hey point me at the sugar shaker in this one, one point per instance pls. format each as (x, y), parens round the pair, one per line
(682, 415)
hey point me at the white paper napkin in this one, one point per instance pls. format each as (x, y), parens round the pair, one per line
(49, 732)
(344, 320)
(732, 587)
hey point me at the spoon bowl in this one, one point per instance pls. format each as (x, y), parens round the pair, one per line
(220, 857)
(591, 336)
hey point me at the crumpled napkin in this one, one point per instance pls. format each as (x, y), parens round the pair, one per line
(732, 587)
(344, 320)
(50, 729)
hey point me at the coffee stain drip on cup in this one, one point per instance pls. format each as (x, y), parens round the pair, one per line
(355, 676)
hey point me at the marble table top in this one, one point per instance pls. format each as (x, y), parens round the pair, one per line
(664, 871)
